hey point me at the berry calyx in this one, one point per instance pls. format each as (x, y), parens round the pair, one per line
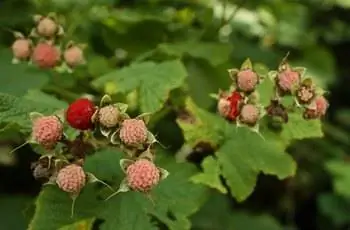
(73, 56)
(305, 94)
(46, 55)
(79, 113)
(47, 131)
(71, 179)
(142, 175)
(249, 114)
(133, 132)
(47, 27)
(21, 48)
(108, 116)
(247, 80)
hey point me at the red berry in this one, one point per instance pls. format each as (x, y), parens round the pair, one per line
(79, 114)
(46, 55)
(235, 99)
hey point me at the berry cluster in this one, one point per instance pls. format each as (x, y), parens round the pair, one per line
(43, 46)
(241, 103)
(98, 126)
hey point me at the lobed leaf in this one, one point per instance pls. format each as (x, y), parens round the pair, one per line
(154, 81)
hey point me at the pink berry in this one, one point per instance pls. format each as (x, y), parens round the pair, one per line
(249, 114)
(321, 105)
(287, 79)
(46, 55)
(224, 107)
(47, 27)
(21, 48)
(133, 132)
(47, 131)
(73, 56)
(247, 80)
(71, 179)
(108, 116)
(142, 175)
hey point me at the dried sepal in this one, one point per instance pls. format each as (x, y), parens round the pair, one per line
(34, 116)
(146, 117)
(122, 107)
(91, 178)
(163, 173)
(114, 138)
(247, 64)
(123, 187)
(105, 100)
(124, 164)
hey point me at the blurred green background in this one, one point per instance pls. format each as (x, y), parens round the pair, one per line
(315, 32)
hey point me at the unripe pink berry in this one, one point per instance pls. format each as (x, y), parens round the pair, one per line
(133, 132)
(224, 107)
(47, 131)
(321, 105)
(46, 55)
(21, 48)
(71, 179)
(142, 175)
(47, 27)
(73, 56)
(247, 80)
(108, 116)
(287, 79)
(249, 114)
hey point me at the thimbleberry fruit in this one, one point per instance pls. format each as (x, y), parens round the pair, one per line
(71, 179)
(321, 105)
(79, 113)
(73, 56)
(108, 116)
(133, 132)
(21, 48)
(46, 55)
(47, 131)
(47, 27)
(287, 79)
(224, 107)
(235, 100)
(142, 175)
(247, 80)
(249, 114)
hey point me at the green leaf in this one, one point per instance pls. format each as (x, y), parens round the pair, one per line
(215, 53)
(53, 208)
(14, 211)
(44, 99)
(200, 126)
(141, 15)
(16, 110)
(86, 224)
(175, 198)
(154, 81)
(243, 221)
(18, 78)
(244, 154)
(298, 128)
(210, 175)
(335, 207)
(341, 176)
(241, 154)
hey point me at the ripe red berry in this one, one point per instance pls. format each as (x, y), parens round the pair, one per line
(142, 175)
(235, 99)
(46, 55)
(79, 113)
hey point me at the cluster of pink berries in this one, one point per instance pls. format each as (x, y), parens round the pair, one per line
(42, 47)
(63, 164)
(241, 102)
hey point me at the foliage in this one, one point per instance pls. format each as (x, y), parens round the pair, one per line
(161, 62)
